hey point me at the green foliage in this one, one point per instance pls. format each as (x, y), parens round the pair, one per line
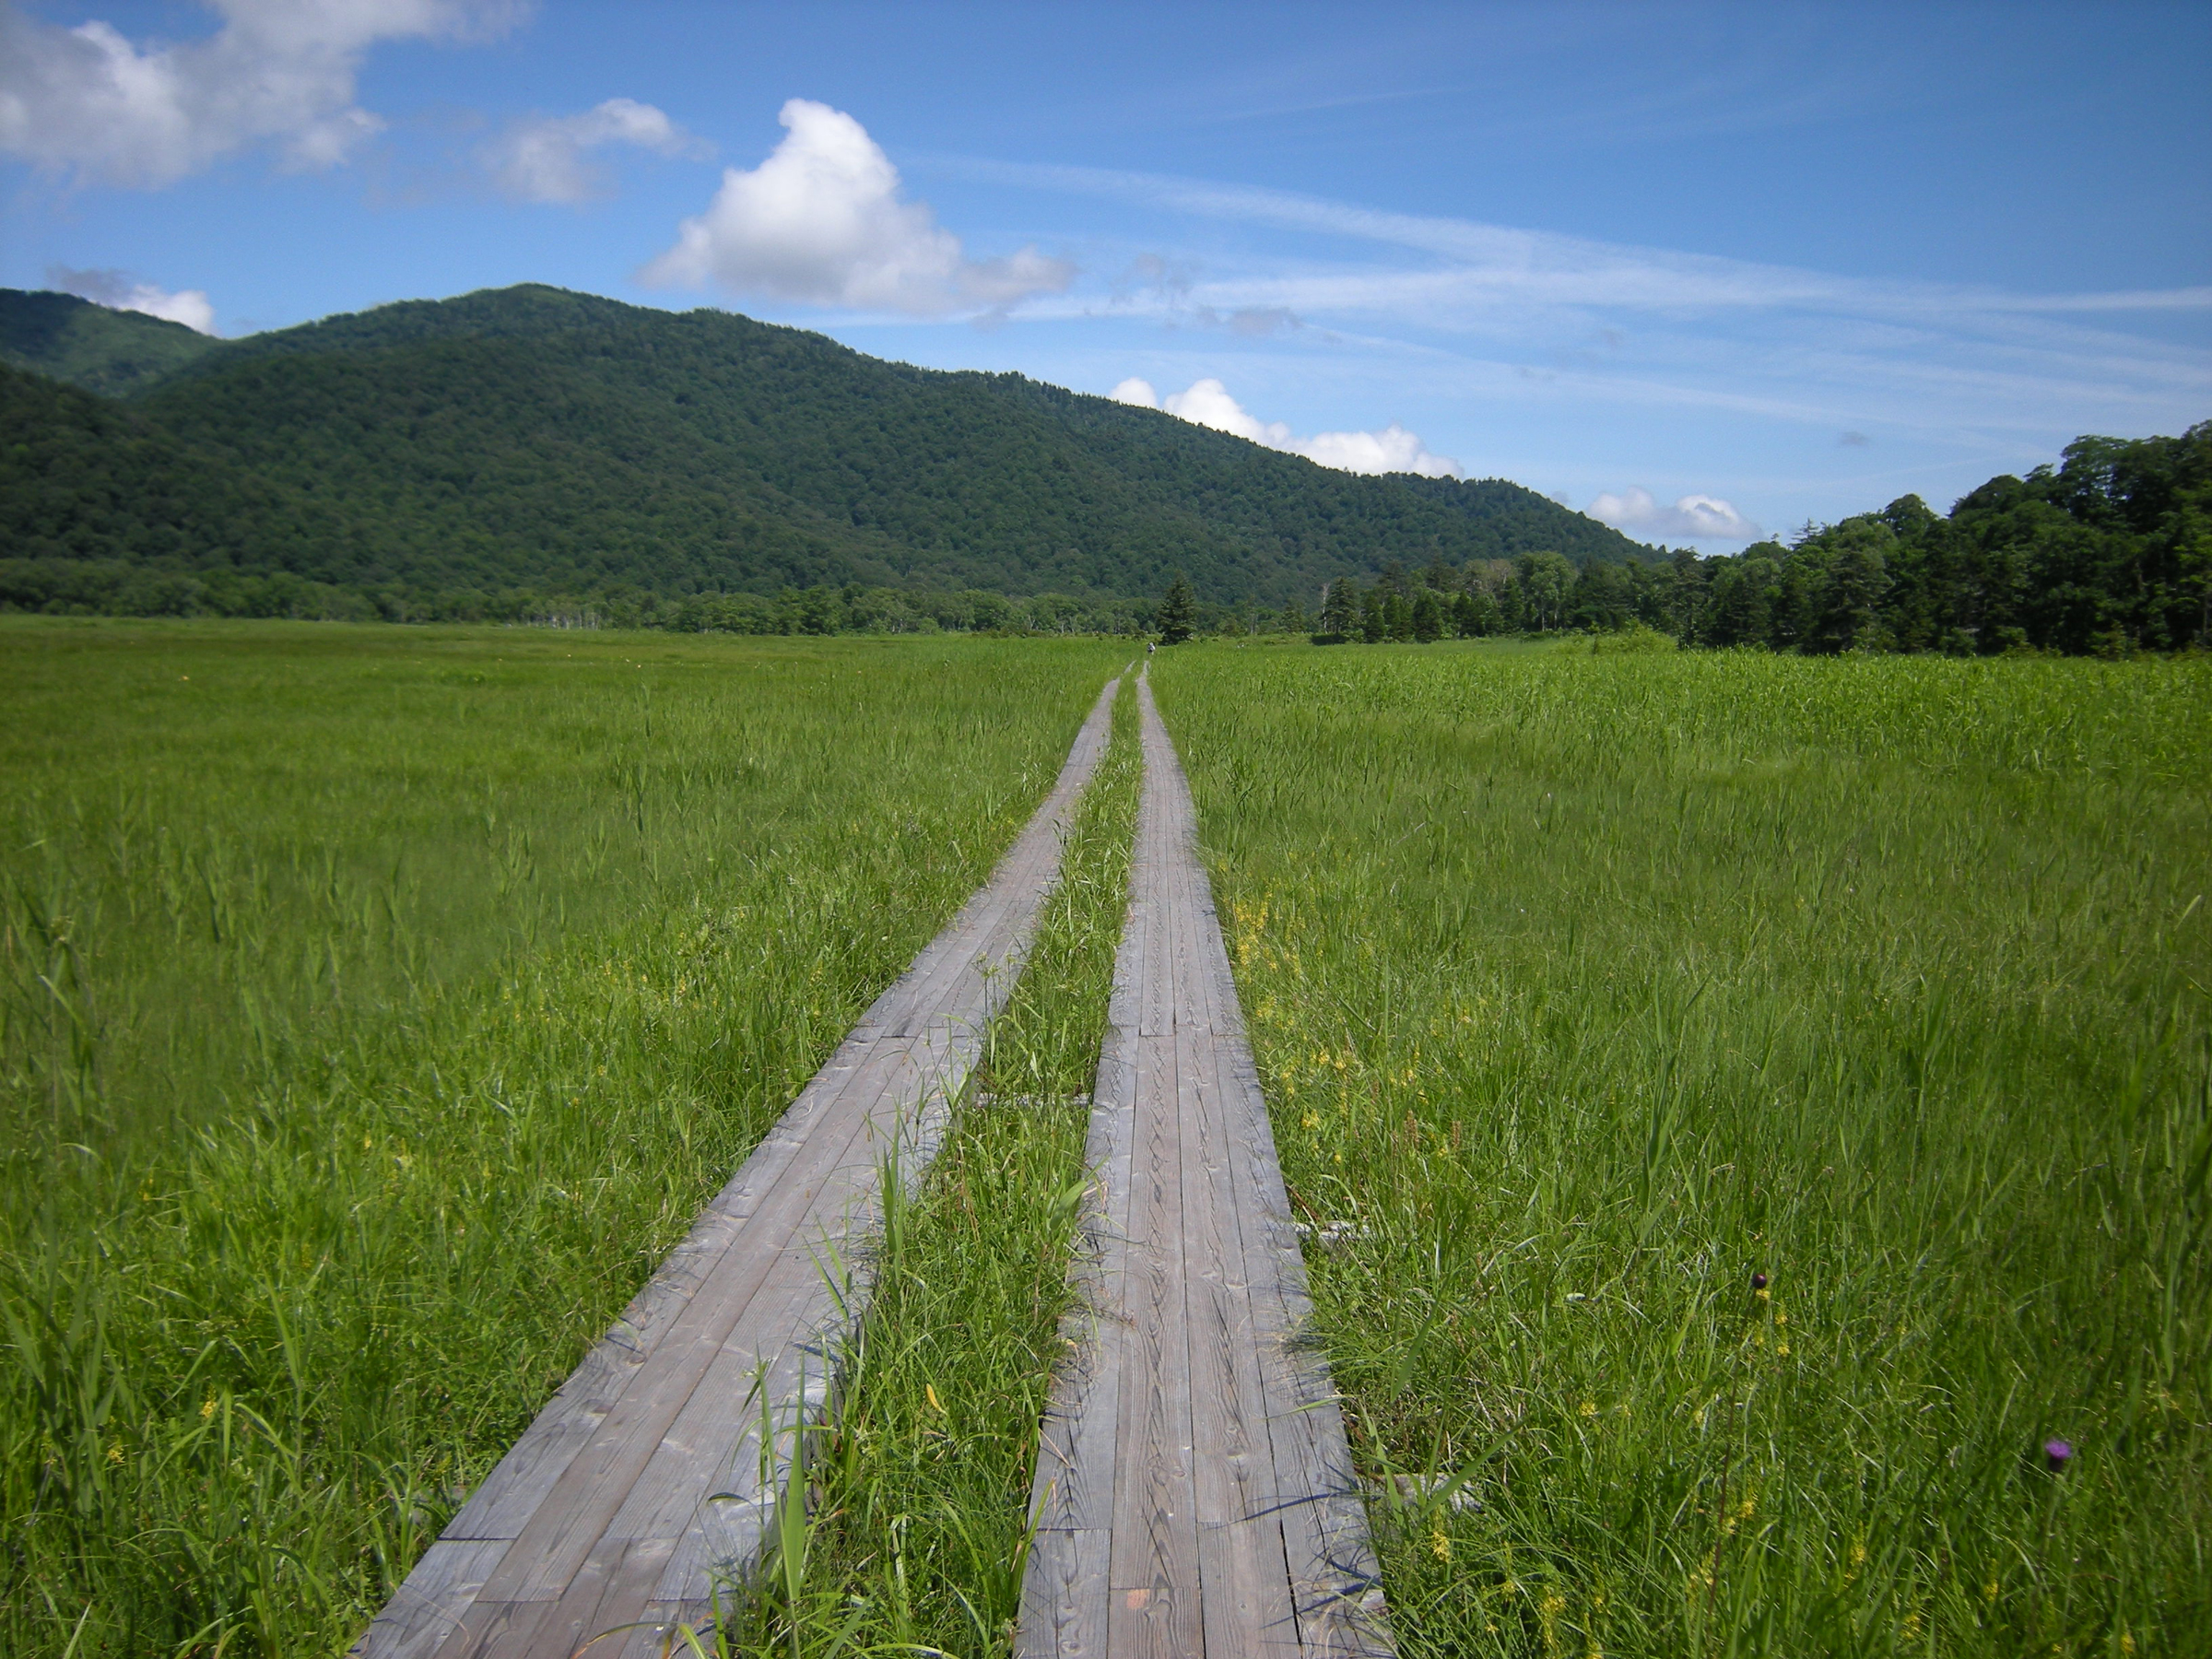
(535, 441)
(1584, 988)
(1177, 612)
(376, 1010)
(1635, 637)
(2109, 552)
(109, 352)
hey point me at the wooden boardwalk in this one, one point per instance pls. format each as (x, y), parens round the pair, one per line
(646, 1478)
(1193, 1491)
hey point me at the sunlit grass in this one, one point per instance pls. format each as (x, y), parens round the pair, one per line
(379, 1006)
(1588, 988)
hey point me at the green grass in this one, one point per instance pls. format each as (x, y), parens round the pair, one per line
(1586, 987)
(379, 1006)
(922, 1484)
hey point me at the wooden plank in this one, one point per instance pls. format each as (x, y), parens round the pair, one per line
(427, 1607)
(1064, 1596)
(605, 1513)
(1153, 1606)
(1236, 1526)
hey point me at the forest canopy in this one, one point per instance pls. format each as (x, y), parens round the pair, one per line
(534, 442)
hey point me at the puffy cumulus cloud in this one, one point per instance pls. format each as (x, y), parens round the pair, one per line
(1208, 403)
(118, 291)
(548, 160)
(88, 103)
(820, 222)
(1697, 517)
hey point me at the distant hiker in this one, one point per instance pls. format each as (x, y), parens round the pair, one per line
(1150, 646)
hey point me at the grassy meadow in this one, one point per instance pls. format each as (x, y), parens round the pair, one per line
(1770, 1101)
(377, 1007)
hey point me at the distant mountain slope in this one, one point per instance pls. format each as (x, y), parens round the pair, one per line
(109, 352)
(534, 438)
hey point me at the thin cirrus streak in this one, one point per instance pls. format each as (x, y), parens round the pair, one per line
(1628, 327)
(1560, 268)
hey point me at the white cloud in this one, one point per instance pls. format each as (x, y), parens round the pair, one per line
(118, 291)
(1695, 517)
(87, 102)
(546, 160)
(1208, 403)
(820, 222)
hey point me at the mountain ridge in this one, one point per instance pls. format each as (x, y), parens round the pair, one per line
(534, 438)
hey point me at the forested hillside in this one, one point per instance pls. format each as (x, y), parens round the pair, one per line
(529, 444)
(111, 352)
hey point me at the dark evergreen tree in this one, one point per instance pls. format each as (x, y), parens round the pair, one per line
(1339, 611)
(1178, 613)
(1427, 616)
(1375, 615)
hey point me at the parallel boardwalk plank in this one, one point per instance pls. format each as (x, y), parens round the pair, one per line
(1193, 1491)
(644, 1480)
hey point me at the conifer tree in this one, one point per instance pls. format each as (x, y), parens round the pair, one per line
(1178, 613)
(1427, 616)
(1339, 611)
(1375, 615)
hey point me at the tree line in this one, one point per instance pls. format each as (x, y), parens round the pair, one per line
(2108, 552)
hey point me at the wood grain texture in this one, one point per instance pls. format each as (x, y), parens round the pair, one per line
(1193, 1491)
(651, 1475)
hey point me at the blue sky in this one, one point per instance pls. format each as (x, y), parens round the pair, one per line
(1700, 270)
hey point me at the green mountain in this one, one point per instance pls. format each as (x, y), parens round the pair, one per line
(109, 352)
(534, 439)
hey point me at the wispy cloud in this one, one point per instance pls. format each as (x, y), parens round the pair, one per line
(1555, 269)
(548, 159)
(1638, 326)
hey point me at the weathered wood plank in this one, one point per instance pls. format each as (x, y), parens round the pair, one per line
(606, 1514)
(1190, 1393)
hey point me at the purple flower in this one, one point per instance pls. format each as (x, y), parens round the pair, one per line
(2057, 1454)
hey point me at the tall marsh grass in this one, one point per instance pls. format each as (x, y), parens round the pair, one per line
(378, 1006)
(1771, 1105)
